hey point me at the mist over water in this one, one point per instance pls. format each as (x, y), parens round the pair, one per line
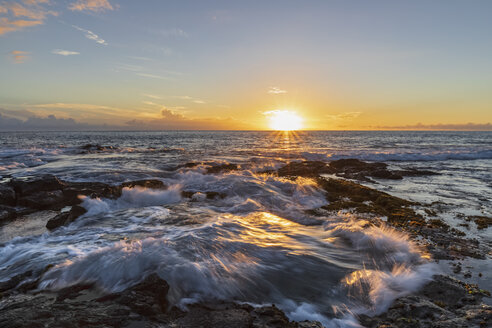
(258, 243)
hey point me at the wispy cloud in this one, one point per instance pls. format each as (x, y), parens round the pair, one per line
(91, 35)
(15, 16)
(19, 56)
(191, 99)
(276, 91)
(64, 52)
(151, 96)
(90, 5)
(152, 76)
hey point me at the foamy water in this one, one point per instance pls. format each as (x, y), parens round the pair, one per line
(258, 244)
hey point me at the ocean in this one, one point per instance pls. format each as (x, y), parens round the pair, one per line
(258, 243)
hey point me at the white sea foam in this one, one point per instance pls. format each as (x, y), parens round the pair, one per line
(131, 198)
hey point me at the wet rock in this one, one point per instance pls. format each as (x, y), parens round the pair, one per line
(350, 168)
(90, 189)
(150, 183)
(30, 185)
(188, 165)
(444, 302)
(344, 194)
(143, 305)
(223, 167)
(7, 213)
(415, 173)
(65, 218)
(7, 195)
(43, 200)
(14, 281)
(482, 222)
(147, 298)
(304, 169)
(95, 148)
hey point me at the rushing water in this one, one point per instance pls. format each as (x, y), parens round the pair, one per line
(258, 244)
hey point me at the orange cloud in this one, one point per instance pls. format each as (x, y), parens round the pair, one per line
(32, 14)
(19, 56)
(7, 25)
(91, 5)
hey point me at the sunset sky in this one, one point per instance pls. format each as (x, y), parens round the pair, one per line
(156, 64)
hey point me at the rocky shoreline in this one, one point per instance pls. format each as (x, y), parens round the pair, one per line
(444, 302)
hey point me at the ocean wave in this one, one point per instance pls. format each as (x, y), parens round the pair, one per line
(262, 258)
(132, 198)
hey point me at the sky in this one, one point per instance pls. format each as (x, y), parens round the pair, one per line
(227, 65)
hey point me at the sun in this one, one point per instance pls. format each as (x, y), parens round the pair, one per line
(284, 120)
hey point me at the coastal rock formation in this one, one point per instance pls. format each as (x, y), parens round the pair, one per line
(47, 192)
(65, 218)
(143, 305)
(444, 303)
(347, 168)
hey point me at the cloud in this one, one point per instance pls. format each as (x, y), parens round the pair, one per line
(171, 121)
(168, 119)
(198, 101)
(19, 56)
(91, 5)
(344, 116)
(171, 115)
(276, 91)
(440, 126)
(151, 96)
(15, 16)
(91, 35)
(36, 123)
(152, 76)
(64, 52)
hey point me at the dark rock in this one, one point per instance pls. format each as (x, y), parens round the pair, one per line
(443, 302)
(43, 200)
(7, 213)
(352, 163)
(187, 194)
(187, 165)
(350, 168)
(7, 195)
(415, 173)
(222, 168)
(90, 189)
(143, 305)
(66, 217)
(147, 298)
(30, 185)
(14, 281)
(151, 183)
(482, 222)
(95, 148)
(385, 174)
(305, 169)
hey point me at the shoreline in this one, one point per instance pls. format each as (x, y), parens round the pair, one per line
(462, 305)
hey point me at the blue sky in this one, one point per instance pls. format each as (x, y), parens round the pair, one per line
(224, 64)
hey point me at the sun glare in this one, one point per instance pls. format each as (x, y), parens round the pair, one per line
(284, 120)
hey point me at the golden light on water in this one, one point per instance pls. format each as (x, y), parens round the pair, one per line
(284, 120)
